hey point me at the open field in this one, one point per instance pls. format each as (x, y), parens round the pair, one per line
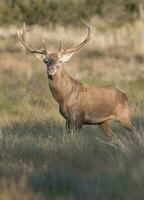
(38, 160)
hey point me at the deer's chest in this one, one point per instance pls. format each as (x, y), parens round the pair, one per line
(70, 110)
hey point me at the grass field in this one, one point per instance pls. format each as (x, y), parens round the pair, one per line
(38, 160)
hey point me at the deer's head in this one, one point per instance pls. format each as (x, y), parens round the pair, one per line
(53, 61)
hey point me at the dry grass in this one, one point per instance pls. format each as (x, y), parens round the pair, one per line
(38, 159)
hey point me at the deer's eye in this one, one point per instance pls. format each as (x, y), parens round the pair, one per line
(48, 61)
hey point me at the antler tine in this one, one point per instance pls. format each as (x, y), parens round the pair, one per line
(44, 46)
(29, 48)
(87, 39)
(60, 46)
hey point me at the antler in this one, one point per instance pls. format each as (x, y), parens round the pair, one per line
(87, 39)
(28, 47)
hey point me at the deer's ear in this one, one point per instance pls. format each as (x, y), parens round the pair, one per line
(66, 57)
(39, 56)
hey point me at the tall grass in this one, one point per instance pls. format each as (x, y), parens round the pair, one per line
(39, 157)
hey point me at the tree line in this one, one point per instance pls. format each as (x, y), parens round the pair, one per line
(54, 12)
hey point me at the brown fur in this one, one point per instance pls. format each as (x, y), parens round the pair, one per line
(79, 103)
(83, 104)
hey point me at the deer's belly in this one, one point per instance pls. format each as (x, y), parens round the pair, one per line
(97, 116)
(97, 120)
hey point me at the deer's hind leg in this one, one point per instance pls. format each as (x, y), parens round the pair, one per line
(107, 130)
(105, 126)
(127, 124)
(123, 117)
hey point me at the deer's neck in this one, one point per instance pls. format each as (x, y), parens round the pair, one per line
(61, 85)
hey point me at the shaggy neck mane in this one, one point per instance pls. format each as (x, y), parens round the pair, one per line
(62, 85)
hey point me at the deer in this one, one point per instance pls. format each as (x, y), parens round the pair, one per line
(80, 104)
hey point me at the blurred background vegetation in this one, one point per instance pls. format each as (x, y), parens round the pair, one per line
(54, 12)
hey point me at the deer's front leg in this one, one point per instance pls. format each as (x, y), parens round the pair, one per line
(67, 127)
(75, 119)
(72, 126)
(75, 125)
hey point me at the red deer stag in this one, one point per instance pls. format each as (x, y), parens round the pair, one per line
(80, 103)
